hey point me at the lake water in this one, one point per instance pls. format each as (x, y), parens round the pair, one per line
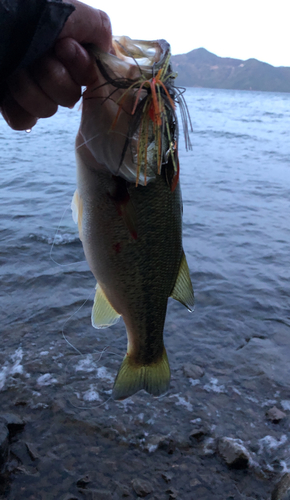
(236, 192)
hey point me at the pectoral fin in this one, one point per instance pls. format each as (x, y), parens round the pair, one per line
(77, 211)
(182, 290)
(103, 314)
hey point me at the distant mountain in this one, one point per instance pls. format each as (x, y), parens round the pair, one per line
(201, 68)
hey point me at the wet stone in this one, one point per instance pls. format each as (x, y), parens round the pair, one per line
(154, 442)
(193, 371)
(32, 451)
(20, 451)
(180, 441)
(275, 415)
(13, 422)
(83, 482)
(167, 476)
(122, 490)
(142, 487)
(282, 489)
(234, 453)
(4, 443)
(209, 446)
(172, 493)
(198, 432)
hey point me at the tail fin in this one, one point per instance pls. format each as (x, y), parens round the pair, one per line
(131, 378)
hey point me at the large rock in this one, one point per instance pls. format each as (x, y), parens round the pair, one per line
(13, 422)
(142, 487)
(282, 489)
(234, 452)
(275, 415)
(193, 371)
(4, 443)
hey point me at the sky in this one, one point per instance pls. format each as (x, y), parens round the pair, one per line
(240, 29)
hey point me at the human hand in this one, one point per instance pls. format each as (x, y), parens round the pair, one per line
(56, 78)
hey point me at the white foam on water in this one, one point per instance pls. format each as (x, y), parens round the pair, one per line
(285, 403)
(152, 447)
(126, 403)
(91, 394)
(196, 420)
(11, 367)
(234, 389)
(269, 402)
(195, 381)
(182, 402)
(213, 386)
(86, 364)
(103, 373)
(271, 443)
(252, 399)
(43, 353)
(285, 466)
(46, 379)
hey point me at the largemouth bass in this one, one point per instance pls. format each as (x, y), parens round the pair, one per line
(128, 205)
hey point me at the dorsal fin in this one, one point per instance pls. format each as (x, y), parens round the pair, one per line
(103, 314)
(182, 290)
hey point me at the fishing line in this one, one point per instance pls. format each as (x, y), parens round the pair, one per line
(94, 136)
(100, 353)
(79, 353)
(54, 240)
(71, 316)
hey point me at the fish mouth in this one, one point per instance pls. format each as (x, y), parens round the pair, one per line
(138, 84)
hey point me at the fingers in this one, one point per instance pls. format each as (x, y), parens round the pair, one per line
(16, 117)
(37, 92)
(76, 60)
(55, 81)
(56, 78)
(30, 96)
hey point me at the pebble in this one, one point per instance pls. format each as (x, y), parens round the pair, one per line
(172, 493)
(193, 371)
(167, 476)
(198, 432)
(282, 489)
(154, 442)
(142, 487)
(122, 490)
(234, 453)
(32, 451)
(275, 415)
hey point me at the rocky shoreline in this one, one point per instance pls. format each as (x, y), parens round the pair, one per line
(140, 448)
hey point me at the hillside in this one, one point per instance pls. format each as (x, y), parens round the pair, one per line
(200, 68)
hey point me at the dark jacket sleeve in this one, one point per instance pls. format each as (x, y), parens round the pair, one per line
(28, 28)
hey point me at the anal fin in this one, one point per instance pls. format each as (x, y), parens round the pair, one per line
(183, 291)
(103, 314)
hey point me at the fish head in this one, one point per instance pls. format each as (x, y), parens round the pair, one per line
(113, 133)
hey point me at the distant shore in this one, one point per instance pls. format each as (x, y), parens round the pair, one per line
(201, 68)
